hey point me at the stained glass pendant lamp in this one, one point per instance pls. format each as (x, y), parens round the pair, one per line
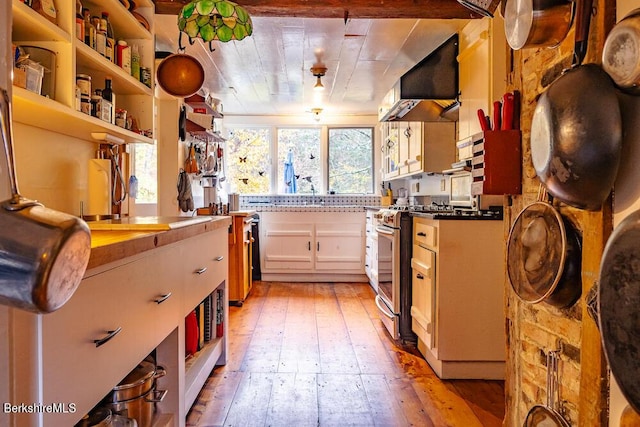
(211, 20)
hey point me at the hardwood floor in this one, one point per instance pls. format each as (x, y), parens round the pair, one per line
(316, 354)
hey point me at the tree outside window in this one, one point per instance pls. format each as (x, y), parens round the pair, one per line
(145, 167)
(304, 144)
(351, 160)
(248, 160)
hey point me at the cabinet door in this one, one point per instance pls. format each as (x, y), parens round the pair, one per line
(288, 246)
(423, 295)
(391, 151)
(414, 135)
(339, 247)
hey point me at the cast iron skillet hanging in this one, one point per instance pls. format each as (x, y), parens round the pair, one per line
(182, 123)
(576, 131)
(544, 256)
(619, 306)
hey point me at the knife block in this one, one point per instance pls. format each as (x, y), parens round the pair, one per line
(496, 165)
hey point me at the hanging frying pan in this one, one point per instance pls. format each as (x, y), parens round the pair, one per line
(576, 131)
(621, 53)
(180, 75)
(182, 123)
(618, 306)
(544, 256)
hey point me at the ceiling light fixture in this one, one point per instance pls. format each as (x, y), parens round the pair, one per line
(318, 70)
(317, 114)
(221, 20)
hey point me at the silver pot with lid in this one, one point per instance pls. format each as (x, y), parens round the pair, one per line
(136, 395)
(103, 417)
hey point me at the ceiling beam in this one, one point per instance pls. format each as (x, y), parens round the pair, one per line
(360, 9)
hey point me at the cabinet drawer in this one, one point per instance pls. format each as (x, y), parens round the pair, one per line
(423, 260)
(206, 266)
(102, 303)
(425, 234)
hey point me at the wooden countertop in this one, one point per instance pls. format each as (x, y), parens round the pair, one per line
(112, 245)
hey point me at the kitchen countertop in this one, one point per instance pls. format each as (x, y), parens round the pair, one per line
(445, 217)
(109, 245)
(147, 223)
(242, 212)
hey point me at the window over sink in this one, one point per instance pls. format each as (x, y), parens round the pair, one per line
(323, 159)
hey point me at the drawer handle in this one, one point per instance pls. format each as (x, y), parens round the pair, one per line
(419, 276)
(163, 298)
(202, 270)
(218, 258)
(110, 334)
(422, 234)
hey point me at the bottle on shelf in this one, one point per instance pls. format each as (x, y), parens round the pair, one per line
(135, 62)
(109, 96)
(124, 56)
(110, 40)
(101, 36)
(79, 21)
(89, 29)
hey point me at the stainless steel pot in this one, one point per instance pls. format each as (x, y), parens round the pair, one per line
(43, 253)
(621, 53)
(136, 395)
(537, 23)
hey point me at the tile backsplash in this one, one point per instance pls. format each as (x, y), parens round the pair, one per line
(276, 202)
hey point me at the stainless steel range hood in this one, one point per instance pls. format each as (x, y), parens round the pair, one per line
(429, 91)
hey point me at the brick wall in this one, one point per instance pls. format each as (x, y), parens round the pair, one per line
(534, 329)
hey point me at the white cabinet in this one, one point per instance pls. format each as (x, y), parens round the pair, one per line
(119, 314)
(482, 67)
(458, 296)
(416, 147)
(312, 244)
(58, 113)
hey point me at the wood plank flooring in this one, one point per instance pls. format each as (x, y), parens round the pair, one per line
(316, 354)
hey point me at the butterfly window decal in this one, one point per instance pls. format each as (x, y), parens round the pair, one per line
(297, 176)
(261, 173)
(243, 159)
(244, 180)
(311, 156)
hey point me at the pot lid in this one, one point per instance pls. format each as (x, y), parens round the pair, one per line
(618, 302)
(99, 417)
(536, 252)
(138, 376)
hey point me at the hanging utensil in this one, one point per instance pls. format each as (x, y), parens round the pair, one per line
(621, 56)
(180, 75)
(117, 178)
(482, 7)
(43, 252)
(537, 23)
(576, 131)
(544, 256)
(548, 416)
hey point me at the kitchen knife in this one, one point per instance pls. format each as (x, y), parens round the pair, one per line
(483, 119)
(507, 112)
(497, 112)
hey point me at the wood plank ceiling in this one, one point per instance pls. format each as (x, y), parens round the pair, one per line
(365, 53)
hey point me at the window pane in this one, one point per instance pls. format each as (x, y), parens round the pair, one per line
(351, 160)
(145, 168)
(248, 161)
(302, 147)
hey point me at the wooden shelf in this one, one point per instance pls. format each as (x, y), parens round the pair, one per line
(56, 117)
(198, 368)
(29, 25)
(198, 101)
(91, 62)
(125, 25)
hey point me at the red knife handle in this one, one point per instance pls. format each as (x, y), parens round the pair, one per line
(482, 118)
(497, 111)
(507, 112)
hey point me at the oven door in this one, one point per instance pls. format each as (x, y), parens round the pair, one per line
(388, 298)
